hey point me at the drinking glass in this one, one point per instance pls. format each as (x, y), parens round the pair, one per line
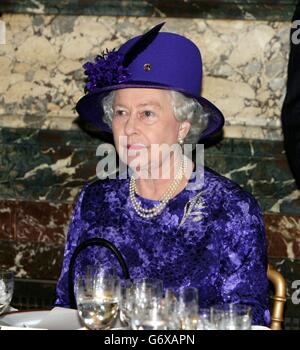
(6, 289)
(147, 288)
(97, 297)
(146, 307)
(126, 301)
(188, 307)
(232, 317)
(151, 314)
(205, 321)
(171, 305)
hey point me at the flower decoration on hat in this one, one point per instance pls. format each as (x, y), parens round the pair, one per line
(110, 68)
(107, 70)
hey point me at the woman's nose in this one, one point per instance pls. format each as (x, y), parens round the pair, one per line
(130, 125)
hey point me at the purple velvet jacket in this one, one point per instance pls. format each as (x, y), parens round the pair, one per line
(212, 239)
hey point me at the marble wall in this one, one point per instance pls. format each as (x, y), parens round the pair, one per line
(275, 10)
(45, 157)
(42, 171)
(42, 75)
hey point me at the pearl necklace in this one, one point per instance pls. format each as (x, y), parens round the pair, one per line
(149, 213)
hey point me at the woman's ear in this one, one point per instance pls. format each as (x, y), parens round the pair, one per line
(184, 129)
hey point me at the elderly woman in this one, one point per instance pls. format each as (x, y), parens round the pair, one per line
(210, 235)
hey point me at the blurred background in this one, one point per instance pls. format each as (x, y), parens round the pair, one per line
(46, 156)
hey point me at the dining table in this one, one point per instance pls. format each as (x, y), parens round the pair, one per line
(58, 318)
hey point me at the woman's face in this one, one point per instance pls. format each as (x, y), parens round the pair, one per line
(143, 117)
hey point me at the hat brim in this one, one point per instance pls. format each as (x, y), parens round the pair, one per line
(89, 107)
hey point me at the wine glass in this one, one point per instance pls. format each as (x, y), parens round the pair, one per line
(6, 289)
(188, 307)
(232, 316)
(147, 288)
(126, 292)
(146, 306)
(151, 314)
(205, 321)
(97, 297)
(171, 304)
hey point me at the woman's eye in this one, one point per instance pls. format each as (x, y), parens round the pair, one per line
(148, 114)
(120, 113)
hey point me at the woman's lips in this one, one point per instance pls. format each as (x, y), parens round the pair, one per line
(135, 146)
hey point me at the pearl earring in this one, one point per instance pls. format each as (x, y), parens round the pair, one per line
(180, 141)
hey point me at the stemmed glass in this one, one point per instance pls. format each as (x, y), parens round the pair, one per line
(231, 316)
(188, 307)
(97, 297)
(126, 291)
(151, 315)
(6, 289)
(147, 288)
(143, 307)
(205, 321)
(147, 309)
(171, 304)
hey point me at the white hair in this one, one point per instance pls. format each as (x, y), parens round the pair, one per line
(184, 109)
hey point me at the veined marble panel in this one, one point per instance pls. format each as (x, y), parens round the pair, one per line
(245, 64)
(36, 260)
(46, 222)
(250, 9)
(52, 165)
(283, 233)
(7, 231)
(39, 221)
(42, 222)
(290, 269)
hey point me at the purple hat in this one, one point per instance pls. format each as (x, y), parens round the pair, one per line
(155, 59)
